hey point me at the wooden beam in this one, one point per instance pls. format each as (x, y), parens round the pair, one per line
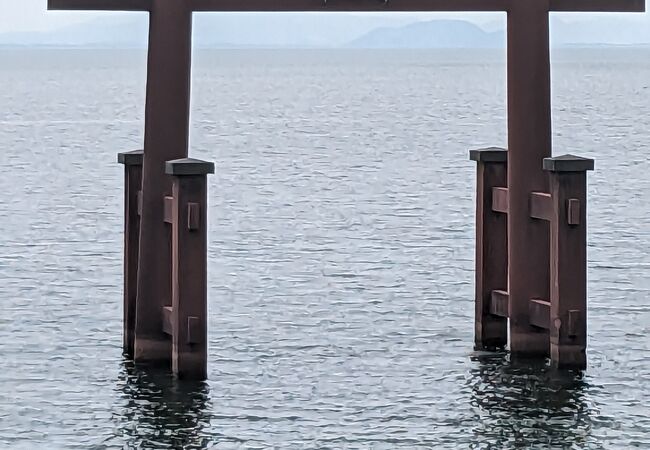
(349, 5)
(168, 209)
(499, 303)
(529, 142)
(598, 5)
(541, 206)
(500, 200)
(99, 5)
(409, 5)
(166, 138)
(540, 313)
(167, 323)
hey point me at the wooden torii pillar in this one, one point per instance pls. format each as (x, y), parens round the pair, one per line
(529, 136)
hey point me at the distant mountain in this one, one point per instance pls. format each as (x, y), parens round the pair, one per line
(461, 34)
(216, 30)
(317, 30)
(432, 34)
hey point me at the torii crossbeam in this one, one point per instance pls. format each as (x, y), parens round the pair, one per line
(529, 135)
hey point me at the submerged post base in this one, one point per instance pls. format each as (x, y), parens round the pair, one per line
(539, 327)
(180, 342)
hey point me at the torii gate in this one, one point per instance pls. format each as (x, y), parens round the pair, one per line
(529, 143)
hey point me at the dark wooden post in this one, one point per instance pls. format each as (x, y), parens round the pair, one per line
(568, 319)
(491, 330)
(165, 138)
(188, 312)
(529, 142)
(132, 192)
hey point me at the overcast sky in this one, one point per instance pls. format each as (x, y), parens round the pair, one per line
(32, 15)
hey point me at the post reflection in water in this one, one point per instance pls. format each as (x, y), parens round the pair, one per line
(525, 404)
(161, 412)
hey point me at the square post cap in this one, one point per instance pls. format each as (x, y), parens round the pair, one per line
(489, 155)
(133, 158)
(568, 163)
(188, 166)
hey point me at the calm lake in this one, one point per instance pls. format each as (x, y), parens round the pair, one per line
(340, 260)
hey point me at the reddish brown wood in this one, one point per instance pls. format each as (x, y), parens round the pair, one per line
(132, 162)
(500, 200)
(568, 322)
(189, 268)
(139, 206)
(499, 303)
(167, 313)
(168, 207)
(349, 5)
(409, 5)
(598, 5)
(100, 5)
(541, 206)
(166, 138)
(529, 142)
(573, 211)
(491, 248)
(540, 313)
(193, 216)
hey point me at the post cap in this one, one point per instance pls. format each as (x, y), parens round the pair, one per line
(490, 154)
(568, 163)
(188, 166)
(133, 158)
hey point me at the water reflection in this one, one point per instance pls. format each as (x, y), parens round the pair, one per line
(527, 405)
(161, 412)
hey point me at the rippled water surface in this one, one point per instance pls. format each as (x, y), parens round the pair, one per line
(341, 255)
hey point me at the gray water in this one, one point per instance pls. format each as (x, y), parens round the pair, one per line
(340, 258)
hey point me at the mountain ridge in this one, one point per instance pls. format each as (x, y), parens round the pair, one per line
(431, 34)
(348, 31)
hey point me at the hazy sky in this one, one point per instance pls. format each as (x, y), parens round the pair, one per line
(30, 15)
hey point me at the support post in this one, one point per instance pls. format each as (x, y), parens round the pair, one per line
(132, 162)
(189, 267)
(568, 318)
(165, 138)
(491, 331)
(529, 142)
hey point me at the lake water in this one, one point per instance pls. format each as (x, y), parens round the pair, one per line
(340, 257)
